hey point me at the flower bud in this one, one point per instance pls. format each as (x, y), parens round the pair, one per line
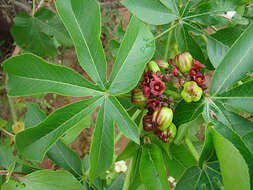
(170, 133)
(153, 67)
(138, 98)
(162, 64)
(184, 62)
(147, 123)
(162, 118)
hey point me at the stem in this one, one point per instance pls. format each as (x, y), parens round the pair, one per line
(192, 148)
(124, 95)
(40, 4)
(8, 133)
(135, 115)
(128, 175)
(34, 7)
(168, 43)
(5, 172)
(13, 111)
(166, 31)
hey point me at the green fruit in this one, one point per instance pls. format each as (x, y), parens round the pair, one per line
(197, 94)
(184, 62)
(163, 118)
(173, 130)
(186, 96)
(190, 86)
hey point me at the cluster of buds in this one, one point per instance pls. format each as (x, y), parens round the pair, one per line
(120, 166)
(151, 92)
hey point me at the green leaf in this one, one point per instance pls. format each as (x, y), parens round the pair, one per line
(235, 64)
(186, 112)
(12, 185)
(33, 115)
(29, 74)
(102, 147)
(51, 180)
(66, 158)
(152, 11)
(71, 134)
(36, 141)
(240, 97)
(85, 32)
(207, 150)
(238, 143)
(28, 34)
(6, 155)
(152, 170)
(53, 26)
(216, 51)
(209, 178)
(117, 184)
(125, 124)
(137, 48)
(234, 170)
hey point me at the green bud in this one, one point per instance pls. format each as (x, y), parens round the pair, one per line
(162, 64)
(138, 98)
(184, 62)
(153, 67)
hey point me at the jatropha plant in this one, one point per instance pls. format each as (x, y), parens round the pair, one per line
(180, 89)
(151, 92)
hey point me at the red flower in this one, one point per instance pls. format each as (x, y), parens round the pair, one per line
(154, 104)
(199, 79)
(194, 71)
(157, 87)
(146, 91)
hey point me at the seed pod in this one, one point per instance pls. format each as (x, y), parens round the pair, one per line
(184, 62)
(138, 98)
(197, 94)
(190, 87)
(170, 133)
(186, 96)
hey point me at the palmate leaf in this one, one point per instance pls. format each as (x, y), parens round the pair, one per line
(36, 141)
(83, 22)
(137, 48)
(236, 63)
(30, 74)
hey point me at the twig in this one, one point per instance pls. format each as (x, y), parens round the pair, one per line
(40, 4)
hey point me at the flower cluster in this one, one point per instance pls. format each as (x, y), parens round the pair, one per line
(120, 166)
(151, 93)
